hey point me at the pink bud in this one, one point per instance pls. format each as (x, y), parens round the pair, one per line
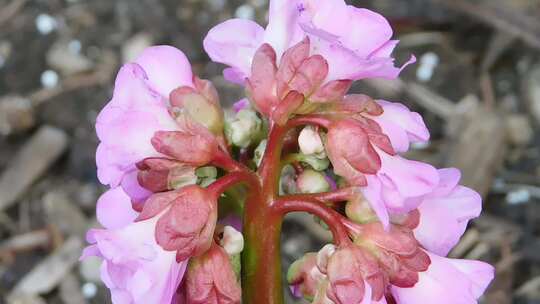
(188, 223)
(201, 104)
(161, 174)
(397, 251)
(304, 276)
(310, 142)
(332, 91)
(351, 151)
(210, 279)
(287, 107)
(350, 269)
(261, 84)
(193, 148)
(290, 62)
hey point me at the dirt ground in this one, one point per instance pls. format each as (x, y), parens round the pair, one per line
(477, 83)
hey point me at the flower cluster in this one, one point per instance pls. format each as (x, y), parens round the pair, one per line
(186, 177)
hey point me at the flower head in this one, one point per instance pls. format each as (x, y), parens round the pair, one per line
(137, 269)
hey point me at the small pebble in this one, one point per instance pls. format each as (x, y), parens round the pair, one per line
(89, 290)
(45, 24)
(428, 63)
(245, 12)
(518, 197)
(75, 46)
(49, 79)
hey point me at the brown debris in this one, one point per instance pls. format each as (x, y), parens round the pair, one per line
(30, 163)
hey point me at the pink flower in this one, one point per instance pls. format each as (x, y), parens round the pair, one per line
(137, 110)
(364, 155)
(401, 125)
(445, 212)
(447, 281)
(142, 120)
(355, 42)
(135, 268)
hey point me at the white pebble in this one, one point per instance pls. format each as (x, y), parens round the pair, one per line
(74, 46)
(49, 79)
(245, 12)
(428, 63)
(89, 290)
(45, 24)
(518, 197)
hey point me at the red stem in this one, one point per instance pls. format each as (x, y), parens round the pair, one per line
(329, 198)
(325, 213)
(224, 161)
(231, 179)
(314, 119)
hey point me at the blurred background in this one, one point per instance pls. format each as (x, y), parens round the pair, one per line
(477, 83)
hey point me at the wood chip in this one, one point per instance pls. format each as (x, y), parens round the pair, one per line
(70, 290)
(50, 272)
(64, 214)
(478, 151)
(37, 155)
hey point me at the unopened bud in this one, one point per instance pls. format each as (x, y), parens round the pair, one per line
(245, 128)
(232, 241)
(201, 104)
(323, 255)
(311, 181)
(310, 142)
(160, 174)
(359, 210)
(210, 279)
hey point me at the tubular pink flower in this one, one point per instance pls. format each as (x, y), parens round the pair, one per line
(401, 125)
(445, 212)
(135, 268)
(448, 281)
(138, 109)
(355, 42)
(359, 152)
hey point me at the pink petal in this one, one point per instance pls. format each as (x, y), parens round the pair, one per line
(283, 30)
(167, 68)
(234, 43)
(401, 125)
(114, 209)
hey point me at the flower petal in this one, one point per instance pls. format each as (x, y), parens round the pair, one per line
(234, 43)
(167, 68)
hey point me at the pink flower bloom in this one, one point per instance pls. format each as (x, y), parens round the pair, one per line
(401, 125)
(137, 110)
(445, 212)
(363, 154)
(135, 268)
(447, 281)
(355, 42)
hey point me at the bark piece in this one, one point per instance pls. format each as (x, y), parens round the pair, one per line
(37, 155)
